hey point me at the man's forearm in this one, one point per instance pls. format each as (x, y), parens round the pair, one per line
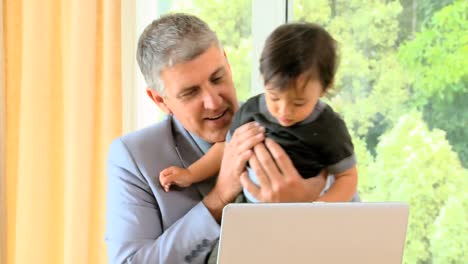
(215, 204)
(214, 208)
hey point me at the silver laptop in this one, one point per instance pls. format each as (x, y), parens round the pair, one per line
(326, 233)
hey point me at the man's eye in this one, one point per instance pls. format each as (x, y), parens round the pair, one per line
(216, 80)
(189, 93)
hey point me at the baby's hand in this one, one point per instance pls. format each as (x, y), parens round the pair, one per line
(175, 175)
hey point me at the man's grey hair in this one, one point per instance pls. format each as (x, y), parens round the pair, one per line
(169, 40)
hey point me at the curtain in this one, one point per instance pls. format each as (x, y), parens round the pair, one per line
(63, 107)
(2, 147)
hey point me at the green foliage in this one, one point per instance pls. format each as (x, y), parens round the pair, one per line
(435, 59)
(416, 165)
(417, 13)
(240, 59)
(365, 159)
(321, 14)
(435, 56)
(449, 244)
(451, 117)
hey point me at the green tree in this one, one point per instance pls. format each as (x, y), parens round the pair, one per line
(435, 59)
(365, 159)
(449, 243)
(416, 14)
(417, 165)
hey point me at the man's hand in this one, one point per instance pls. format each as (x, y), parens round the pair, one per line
(278, 179)
(236, 154)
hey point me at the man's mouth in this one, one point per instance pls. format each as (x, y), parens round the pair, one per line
(217, 116)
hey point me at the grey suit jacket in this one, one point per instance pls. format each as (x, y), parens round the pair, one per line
(144, 223)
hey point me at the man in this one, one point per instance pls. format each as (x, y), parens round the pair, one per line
(189, 78)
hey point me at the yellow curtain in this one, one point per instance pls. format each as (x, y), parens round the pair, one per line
(2, 146)
(63, 107)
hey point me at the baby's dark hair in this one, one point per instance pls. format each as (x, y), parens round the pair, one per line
(298, 48)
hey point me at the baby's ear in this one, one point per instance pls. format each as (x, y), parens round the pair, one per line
(324, 91)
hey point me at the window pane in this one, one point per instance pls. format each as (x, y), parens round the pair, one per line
(402, 89)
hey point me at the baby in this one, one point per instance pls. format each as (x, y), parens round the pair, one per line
(298, 65)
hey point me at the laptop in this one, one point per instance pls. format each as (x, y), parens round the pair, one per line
(326, 233)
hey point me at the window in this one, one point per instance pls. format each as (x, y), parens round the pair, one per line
(401, 87)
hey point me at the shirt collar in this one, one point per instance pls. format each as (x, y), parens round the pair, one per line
(203, 145)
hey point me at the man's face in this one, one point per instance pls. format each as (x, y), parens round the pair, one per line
(200, 94)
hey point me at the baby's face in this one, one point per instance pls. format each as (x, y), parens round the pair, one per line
(294, 104)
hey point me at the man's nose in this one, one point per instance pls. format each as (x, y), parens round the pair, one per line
(212, 98)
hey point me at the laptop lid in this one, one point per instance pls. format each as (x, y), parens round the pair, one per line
(328, 233)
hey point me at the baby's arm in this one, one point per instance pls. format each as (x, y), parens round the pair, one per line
(207, 166)
(344, 187)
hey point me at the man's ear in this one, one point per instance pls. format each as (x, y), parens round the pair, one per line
(157, 98)
(225, 56)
